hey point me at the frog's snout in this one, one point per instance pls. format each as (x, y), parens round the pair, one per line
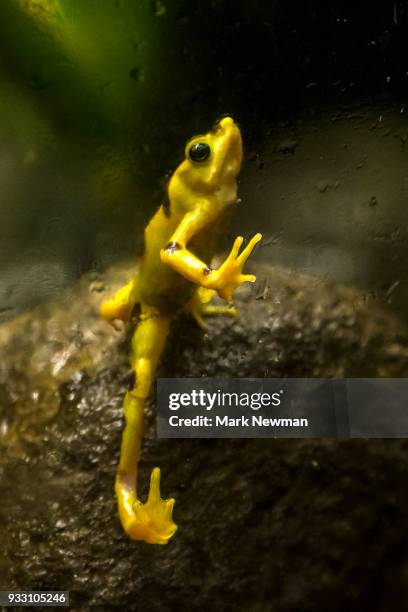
(230, 137)
(223, 125)
(227, 122)
(229, 131)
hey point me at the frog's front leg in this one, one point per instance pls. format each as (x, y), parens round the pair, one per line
(199, 307)
(120, 306)
(228, 276)
(152, 521)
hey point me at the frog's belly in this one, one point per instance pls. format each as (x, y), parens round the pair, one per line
(159, 285)
(163, 288)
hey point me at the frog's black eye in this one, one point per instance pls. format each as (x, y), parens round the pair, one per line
(199, 152)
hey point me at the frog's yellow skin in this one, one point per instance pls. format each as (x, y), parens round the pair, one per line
(173, 275)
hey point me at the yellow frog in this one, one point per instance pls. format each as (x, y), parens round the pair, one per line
(172, 275)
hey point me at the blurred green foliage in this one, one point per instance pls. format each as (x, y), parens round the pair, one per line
(81, 90)
(89, 69)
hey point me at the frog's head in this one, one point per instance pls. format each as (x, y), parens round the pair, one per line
(213, 161)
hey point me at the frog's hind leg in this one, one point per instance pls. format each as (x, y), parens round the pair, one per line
(121, 304)
(152, 521)
(198, 307)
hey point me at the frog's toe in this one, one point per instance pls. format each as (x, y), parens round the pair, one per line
(212, 310)
(112, 309)
(247, 278)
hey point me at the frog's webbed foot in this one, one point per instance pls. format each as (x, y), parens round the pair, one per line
(151, 522)
(120, 306)
(198, 307)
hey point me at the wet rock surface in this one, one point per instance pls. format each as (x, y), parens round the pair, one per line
(276, 525)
